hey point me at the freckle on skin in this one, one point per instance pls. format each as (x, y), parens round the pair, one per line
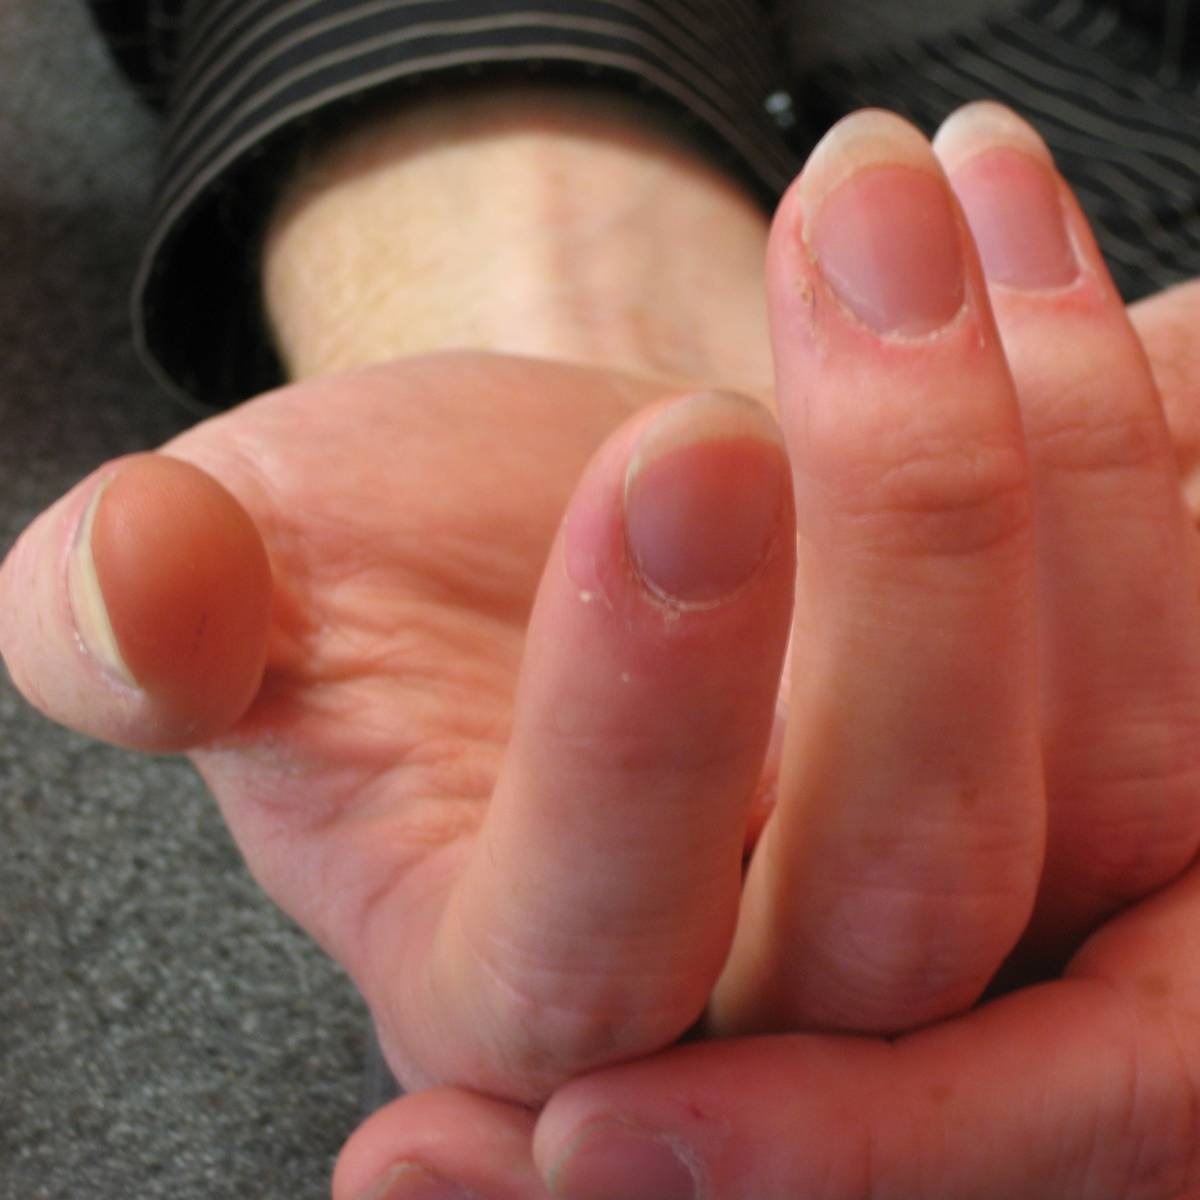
(940, 1093)
(969, 796)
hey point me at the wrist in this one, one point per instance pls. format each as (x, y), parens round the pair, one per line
(535, 220)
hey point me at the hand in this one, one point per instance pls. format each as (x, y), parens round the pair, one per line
(1003, 631)
(406, 514)
(488, 873)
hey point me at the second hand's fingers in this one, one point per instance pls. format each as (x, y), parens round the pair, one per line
(903, 854)
(1120, 631)
(1069, 1091)
(136, 608)
(600, 894)
(1082, 1089)
(1079, 1090)
(443, 1144)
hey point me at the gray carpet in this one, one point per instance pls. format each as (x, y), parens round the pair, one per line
(163, 1031)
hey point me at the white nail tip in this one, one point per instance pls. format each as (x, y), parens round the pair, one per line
(982, 126)
(703, 416)
(92, 622)
(873, 137)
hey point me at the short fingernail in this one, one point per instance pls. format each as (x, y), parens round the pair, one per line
(414, 1181)
(1005, 180)
(881, 228)
(87, 598)
(609, 1160)
(704, 492)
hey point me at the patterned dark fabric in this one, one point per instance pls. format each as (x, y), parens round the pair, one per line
(1118, 104)
(243, 80)
(1114, 85)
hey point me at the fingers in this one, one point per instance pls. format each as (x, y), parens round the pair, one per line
(1078, 1090)
(599, 899)
(441, 1145)
(1120, 639)
(136, 608)
(1058, 1094)
(901, 860)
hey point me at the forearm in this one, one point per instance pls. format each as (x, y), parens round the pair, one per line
(562, 223)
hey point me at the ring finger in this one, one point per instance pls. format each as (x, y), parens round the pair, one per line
(1117, 579)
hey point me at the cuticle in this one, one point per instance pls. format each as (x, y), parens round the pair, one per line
(680, 1148)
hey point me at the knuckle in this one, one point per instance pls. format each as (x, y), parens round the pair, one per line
(549, 1024)
(1143, 824)
(948, 499)
(1082, 438)
(922, 956)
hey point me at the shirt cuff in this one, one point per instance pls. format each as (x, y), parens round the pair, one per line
(252, 79)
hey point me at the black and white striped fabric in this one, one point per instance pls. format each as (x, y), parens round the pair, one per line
(1115, 88)
(1117, 100)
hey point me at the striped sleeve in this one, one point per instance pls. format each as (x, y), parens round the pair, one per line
(244, 79)
(1116, 98)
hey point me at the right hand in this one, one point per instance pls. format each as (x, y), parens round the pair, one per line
(1078, 1088)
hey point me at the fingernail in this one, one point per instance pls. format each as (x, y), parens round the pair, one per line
(1005, 179)
(704, 492)
(880, 225)
(413, 1181)
(87, 599)
(609, 1159)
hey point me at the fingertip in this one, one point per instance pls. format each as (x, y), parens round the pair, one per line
(705, 492)
(1013, 197)
(862, 139)
(868, 245)
(136, 608)
(443, 1144)
(182, 581)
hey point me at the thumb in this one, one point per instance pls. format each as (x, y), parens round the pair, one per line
(135, 609)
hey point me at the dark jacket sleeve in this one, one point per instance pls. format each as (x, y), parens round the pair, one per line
(241, 81)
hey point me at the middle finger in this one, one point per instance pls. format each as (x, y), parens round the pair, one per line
(900, 864)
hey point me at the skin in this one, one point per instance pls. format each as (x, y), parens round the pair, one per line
(427, 634)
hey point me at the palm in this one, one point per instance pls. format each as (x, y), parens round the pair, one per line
(407, 512)
(401, 535)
